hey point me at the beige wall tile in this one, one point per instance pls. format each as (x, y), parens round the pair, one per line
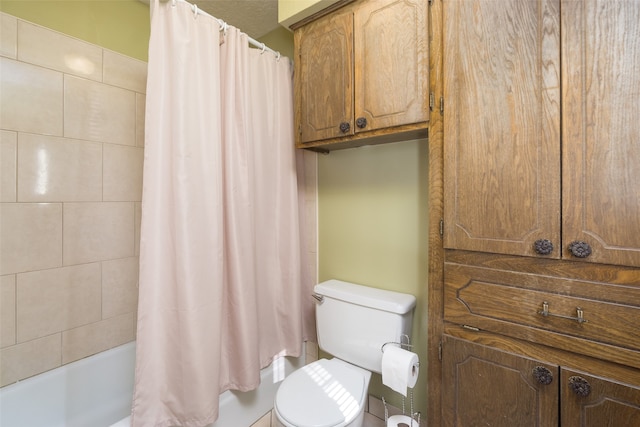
(55, 300)
(99, 112)
(31, 98)
(31, 236)
(97, 231)
(96, 337)
(125, 72)
(8, 160)
(51, 49)
(122, 176)
(54, 169)
(31, 358)
(141, 101)
(7, 310)
(8, 35)
(119, 287)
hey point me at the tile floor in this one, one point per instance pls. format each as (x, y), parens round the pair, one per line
(374, 417)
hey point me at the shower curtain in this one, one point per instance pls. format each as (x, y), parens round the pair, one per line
(223, 286)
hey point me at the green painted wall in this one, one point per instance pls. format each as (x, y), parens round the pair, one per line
(280, 40)
(118, 25)
(373, 230)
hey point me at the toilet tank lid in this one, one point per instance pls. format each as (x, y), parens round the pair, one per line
(381, 299)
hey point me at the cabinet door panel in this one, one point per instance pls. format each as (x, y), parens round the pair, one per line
(601, 129)
(502, 125)
(483, 386)
(607, 404)
(324, 80)
(391, 63)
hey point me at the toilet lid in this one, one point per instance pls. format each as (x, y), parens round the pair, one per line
(324, 393)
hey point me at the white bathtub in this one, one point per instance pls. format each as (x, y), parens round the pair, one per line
(96, 392)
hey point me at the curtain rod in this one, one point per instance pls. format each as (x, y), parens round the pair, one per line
(223, 27)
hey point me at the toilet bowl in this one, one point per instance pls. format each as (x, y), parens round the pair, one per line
(325, 393)
(353, 323)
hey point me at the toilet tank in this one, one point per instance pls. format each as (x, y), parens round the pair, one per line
(354, 321)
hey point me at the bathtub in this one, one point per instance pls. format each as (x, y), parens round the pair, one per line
(96, 391)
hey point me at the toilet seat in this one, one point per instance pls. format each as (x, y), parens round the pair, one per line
(325, 393)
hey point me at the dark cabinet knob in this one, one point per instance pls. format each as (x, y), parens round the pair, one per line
(579, 386)
(580, 249)
(542, 375)
(543, 246)
(361, 122)
(345, 127)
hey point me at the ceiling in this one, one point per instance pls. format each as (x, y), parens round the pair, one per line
(253, 17)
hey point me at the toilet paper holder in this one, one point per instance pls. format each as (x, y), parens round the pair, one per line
(406, 346)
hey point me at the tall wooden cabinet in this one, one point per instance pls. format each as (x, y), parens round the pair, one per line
(541, 217)
(541, 128)
(362, 72)
(601, 128)
(502, 125)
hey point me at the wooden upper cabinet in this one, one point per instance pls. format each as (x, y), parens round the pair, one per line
(324, 78)
(362, 71)
(601, 129)
(391, 69)
(502, 125)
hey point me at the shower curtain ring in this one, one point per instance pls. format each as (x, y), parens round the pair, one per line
(195, 10)
(264, 47)
(173, 3)
(277, 56)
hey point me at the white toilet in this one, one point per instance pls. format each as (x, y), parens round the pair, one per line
(353, 323)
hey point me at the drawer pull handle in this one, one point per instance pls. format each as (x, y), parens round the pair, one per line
(579, 317)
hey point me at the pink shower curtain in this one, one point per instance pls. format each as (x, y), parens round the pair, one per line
(223, 285)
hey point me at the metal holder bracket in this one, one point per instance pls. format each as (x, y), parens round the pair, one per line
(579, 317)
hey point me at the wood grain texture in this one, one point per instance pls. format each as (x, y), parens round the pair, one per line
(391, 62)
(609, 404)
(482, 297)
(621, 275)
(324, 77)
(436, 201)
(369, 60)
(488, 387)
(373, 137)
(601, 130)
(502, 125)
(507, 292)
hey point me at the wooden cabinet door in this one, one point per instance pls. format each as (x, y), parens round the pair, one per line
(391, 63)
(483, 386)
(324, 78)
(589, 401)
(502, 125)
(601, 129)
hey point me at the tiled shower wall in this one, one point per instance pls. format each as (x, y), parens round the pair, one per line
(71, 150)
(71, 118)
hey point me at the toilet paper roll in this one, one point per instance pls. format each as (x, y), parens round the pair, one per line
(399, 369)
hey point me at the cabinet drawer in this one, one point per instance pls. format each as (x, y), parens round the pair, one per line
(519, 304)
